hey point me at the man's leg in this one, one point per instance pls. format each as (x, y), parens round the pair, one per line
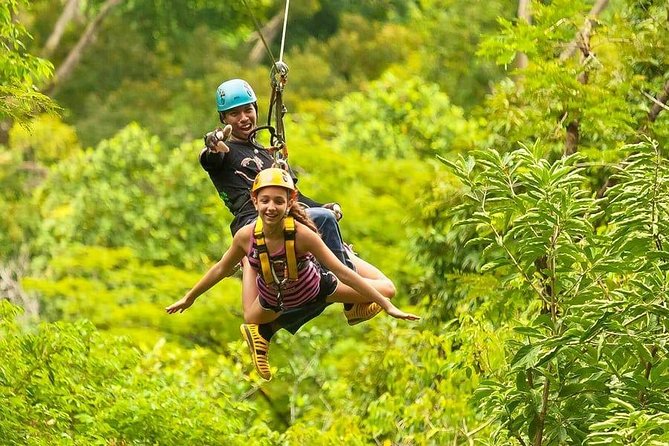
(364, 311)
(329, 229)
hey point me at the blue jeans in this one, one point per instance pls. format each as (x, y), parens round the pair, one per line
(329, 228)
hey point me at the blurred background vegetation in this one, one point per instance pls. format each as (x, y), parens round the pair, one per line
(504, 162)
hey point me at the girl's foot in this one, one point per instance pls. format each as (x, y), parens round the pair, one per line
(362, 312)
(259, 347)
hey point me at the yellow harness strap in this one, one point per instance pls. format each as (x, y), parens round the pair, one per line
(289, 237)
(263, 254)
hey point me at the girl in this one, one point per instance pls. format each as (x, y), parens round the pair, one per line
(288, 260)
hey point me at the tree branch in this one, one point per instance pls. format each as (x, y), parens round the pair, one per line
(573, 135)
(659, 103)
(269, 31)
(587, 28)
(10, 287)
(59, 28)
(571, 138)
(65, 70)
(524, 13)
(538, 438)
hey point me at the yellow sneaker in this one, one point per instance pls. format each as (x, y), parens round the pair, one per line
(259, 347)
(362, 312)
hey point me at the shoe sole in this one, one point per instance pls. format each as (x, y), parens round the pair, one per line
(248, 337)
(359, 320)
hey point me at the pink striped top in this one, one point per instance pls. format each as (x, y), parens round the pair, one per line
(295, 292)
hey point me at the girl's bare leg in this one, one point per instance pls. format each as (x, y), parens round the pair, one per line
(253, 312)
(375, 277)
(347, 295)
(249, 288)
(258, 315)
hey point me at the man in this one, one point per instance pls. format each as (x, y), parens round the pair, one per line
(232, 163)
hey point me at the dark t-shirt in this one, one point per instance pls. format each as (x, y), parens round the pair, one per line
(233, 173)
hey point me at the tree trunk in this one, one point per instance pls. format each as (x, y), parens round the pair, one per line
(59, 28)
(65, 70)
(523, 14)
(583, 43)
(10, 286)
(571, 140)
(269, 31)
(660, 99)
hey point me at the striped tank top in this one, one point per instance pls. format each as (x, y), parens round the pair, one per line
(295, 292)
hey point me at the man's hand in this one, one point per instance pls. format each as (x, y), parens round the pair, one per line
(335, 209)
(215, 141)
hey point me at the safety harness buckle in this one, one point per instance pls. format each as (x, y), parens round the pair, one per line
(266, 264)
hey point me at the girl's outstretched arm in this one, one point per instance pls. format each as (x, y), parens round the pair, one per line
(310, 241)
(221, 269)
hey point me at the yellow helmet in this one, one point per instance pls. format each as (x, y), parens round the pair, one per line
(273, 177)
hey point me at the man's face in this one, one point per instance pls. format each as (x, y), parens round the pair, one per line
(243, 121)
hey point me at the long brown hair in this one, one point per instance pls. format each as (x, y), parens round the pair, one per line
(300, 215)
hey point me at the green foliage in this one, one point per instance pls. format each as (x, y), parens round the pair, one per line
(359, 51)
(21, 73)
(399, 118)
(64, 384)
(542, 279)
(594, 353)
(20, 220)
(172, 99)
(44, 141)
(133, 191)
(33, 146)
(439, 243)
(449, 32)
(402, 385)
(602, 95)
(114, 290)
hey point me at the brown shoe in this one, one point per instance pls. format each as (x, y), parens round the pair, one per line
(362, 312)
(259, 347)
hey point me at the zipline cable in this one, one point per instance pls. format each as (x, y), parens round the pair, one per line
(278, 79)
(262, 38)
(283, 34)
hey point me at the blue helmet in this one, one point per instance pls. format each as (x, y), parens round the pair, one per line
(233, 93)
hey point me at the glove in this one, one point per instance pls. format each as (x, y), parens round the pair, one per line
(335, 209)
(215, 141)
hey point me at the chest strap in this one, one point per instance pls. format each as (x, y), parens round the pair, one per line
(289, 244)
(289, 237)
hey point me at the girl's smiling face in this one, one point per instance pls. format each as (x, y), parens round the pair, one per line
(272, 204)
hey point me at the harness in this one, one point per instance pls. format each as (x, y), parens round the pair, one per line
(267, 265)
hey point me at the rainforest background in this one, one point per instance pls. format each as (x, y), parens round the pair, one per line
(504, 162)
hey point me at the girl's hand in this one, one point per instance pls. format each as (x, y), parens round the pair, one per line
(179, 305)
(399, 314)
